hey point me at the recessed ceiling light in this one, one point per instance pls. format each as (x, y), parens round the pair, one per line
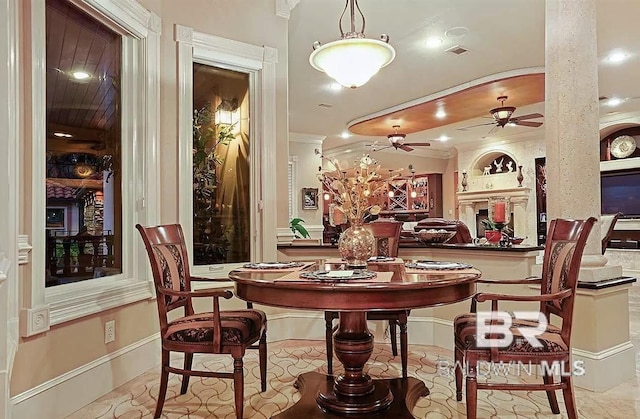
(443, 138)
(617, 56)
(80, 75)
(433, 42)
(614, 101)
(456, 32)
(441, 114)
(345, 135)
(62, 135)
(335, 86)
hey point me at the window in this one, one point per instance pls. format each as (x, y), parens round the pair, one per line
(85, 174)
(247, 67)
(221, 169)
(83, 145)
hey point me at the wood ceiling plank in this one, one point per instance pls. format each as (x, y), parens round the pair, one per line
(474, 102)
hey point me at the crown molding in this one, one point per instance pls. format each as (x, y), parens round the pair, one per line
(298, 137)
(365, 148)
(284, 7)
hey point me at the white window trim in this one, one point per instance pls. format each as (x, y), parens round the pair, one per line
(140, 122)
(260, 63)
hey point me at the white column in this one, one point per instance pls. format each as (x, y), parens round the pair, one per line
(572, 123)
(468, 216)
(520, 216)
(573, 186)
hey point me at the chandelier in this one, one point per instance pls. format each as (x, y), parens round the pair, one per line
(503, 113)
(353, 59)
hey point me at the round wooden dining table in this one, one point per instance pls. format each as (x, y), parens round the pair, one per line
(395, 287)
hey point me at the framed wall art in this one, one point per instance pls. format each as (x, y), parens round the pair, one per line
(309, 198)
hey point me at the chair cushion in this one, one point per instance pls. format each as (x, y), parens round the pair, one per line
(466, 331)
(238, 327)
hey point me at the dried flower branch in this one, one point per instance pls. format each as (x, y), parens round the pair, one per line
(357, 190)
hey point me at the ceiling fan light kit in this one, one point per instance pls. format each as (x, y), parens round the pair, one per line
(353, 59)
(502, 113)
(502, 116)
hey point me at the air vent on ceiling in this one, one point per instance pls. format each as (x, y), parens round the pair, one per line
(457, 49)
(325, 105)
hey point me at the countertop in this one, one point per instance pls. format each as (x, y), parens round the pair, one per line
(420, 245)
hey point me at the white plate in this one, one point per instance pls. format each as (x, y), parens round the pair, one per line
(623, 146)
(437, 265)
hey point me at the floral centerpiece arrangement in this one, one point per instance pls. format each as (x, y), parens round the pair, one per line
(356, 192)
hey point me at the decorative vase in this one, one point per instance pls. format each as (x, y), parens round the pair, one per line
(356, 245)
(520, 176)
(493, 236)
(464, 181)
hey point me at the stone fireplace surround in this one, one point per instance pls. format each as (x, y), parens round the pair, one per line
(470, 203)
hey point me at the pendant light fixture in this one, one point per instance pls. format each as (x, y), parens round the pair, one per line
(353, 59)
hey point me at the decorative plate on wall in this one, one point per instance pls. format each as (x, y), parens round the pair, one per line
(623, 146)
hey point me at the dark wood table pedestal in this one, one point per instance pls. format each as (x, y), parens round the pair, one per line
(354, 392)
(405, 391)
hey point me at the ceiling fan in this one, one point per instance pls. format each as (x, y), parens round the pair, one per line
(396, 140)
(502, 116)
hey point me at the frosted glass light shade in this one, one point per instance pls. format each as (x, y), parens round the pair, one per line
(352, 62)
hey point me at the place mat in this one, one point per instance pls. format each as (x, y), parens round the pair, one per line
(433, 265)
(295, 277)
(385, 259)
(373, 259)
(338, 275)
(274, 266)
(467, 271)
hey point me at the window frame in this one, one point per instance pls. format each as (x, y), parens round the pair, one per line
(140, 138)
(259, 62)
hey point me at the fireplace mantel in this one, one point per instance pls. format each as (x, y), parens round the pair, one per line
(485, 194)
(471, 202)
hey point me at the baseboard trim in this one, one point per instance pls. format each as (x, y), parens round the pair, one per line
(605, 369)
(65, 394)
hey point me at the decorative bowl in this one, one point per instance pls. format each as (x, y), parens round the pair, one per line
(517, 240)
(435, 236)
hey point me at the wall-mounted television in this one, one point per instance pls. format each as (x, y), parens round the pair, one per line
(620, 192)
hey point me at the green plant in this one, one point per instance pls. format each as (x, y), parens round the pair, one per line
(490, 225)
(297, 227)
(210, 240)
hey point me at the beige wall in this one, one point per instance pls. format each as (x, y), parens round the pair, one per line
(70, 345)
(307, 163)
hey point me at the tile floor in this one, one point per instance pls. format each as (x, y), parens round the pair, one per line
(213, 398)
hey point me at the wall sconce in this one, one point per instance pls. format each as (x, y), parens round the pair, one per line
(228, 113)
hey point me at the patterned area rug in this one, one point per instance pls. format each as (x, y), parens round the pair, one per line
(213, 398)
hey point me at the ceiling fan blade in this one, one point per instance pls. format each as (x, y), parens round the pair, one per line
(474, 126)
(529, 116)
(492, 130)
(380, 148)
(405, 148)
(418, 144)
(527, 123)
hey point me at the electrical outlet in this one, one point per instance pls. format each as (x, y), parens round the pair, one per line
(110, 331)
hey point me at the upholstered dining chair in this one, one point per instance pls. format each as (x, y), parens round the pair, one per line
(565, 244)
(214, 332)
(607, 225)
(386, 233)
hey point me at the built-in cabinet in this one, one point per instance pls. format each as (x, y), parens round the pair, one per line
(414, 197)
